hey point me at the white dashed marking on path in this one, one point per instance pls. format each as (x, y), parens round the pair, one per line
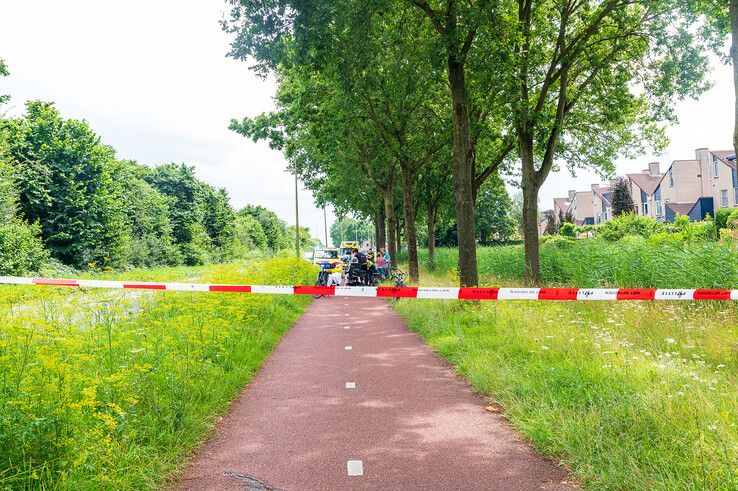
(347, 348)
(347, 327)
(355, 468)
(350, 385)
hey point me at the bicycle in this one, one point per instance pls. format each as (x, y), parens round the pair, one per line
(323, 277)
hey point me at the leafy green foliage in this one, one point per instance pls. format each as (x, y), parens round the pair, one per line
(94, 211)
(568, 229)
(150, 241)
(249, 235)
(622, 201)
(21, 248)
(273, 227)
(492, 212)
(120, 402)
(65, 180)
(722, 217)
(629, 224)
(3, 73)
(732, 221)
(632, 262)
(350, 229)
(178, 182)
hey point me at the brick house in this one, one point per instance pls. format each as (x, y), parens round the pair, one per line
(694, 187)
(682, 190)
(644, 189)
(601, 205)
(698, 187)
(718, 168)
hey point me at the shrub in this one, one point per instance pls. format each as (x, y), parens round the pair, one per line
(722, 217)
(629, 224)
(21, 249)
(732, 221)
(568, 230)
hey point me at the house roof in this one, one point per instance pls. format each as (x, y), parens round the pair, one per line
(681, 208)
(603, 193)
(562, 203)
(723, 156)
(647, 182)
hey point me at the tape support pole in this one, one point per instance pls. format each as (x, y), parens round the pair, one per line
(399, 292)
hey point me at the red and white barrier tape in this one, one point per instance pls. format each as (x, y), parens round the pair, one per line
(403, 292)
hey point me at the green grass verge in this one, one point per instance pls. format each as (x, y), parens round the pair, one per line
(630, 395)
(113, 390)
(631, 262)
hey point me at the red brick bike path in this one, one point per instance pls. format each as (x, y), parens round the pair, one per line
(410, 421)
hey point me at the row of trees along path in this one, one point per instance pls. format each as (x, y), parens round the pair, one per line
(379, 101)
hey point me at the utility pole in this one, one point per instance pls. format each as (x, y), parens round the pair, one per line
(297, 221)
(325, 225)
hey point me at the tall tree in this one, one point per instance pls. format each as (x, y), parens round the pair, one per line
(622, 201)
(64, 176)
(493, 207)
(466, 31)
(288, 33)
(186, 193)
(591, 80)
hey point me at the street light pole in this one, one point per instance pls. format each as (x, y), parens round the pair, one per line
(297, 221)
(325, 225)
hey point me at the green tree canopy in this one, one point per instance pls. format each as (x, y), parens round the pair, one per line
(64, 176)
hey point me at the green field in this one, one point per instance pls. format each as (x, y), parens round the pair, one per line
(627, 263)
(629, 395)
(113, 389)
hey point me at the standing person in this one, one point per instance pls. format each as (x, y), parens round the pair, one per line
(380, 264)
(387, 260)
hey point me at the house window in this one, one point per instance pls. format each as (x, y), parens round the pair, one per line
(736, 196)
(714, 167)
(671, 178)
(658, 209)
(645, 209)
(599, 218)
(724, 198)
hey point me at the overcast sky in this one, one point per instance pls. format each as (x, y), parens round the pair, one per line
(151, 77)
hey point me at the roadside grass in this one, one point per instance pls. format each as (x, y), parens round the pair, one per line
(112, 390)
(629, 395)
(631, 262)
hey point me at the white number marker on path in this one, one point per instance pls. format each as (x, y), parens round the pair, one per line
(355, 468)
(350, 385)
(347, 348)
(347, 327)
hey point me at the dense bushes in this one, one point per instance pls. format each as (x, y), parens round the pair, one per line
(21, 248)
(722, 217)
(61, 187)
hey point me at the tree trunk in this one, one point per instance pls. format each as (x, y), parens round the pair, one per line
(734, 58)
(398, 238)
(376, 230)
(409, 214)
(431, 236)
(530, 213)
(462, 174)
(381, 228)
(389, 211)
